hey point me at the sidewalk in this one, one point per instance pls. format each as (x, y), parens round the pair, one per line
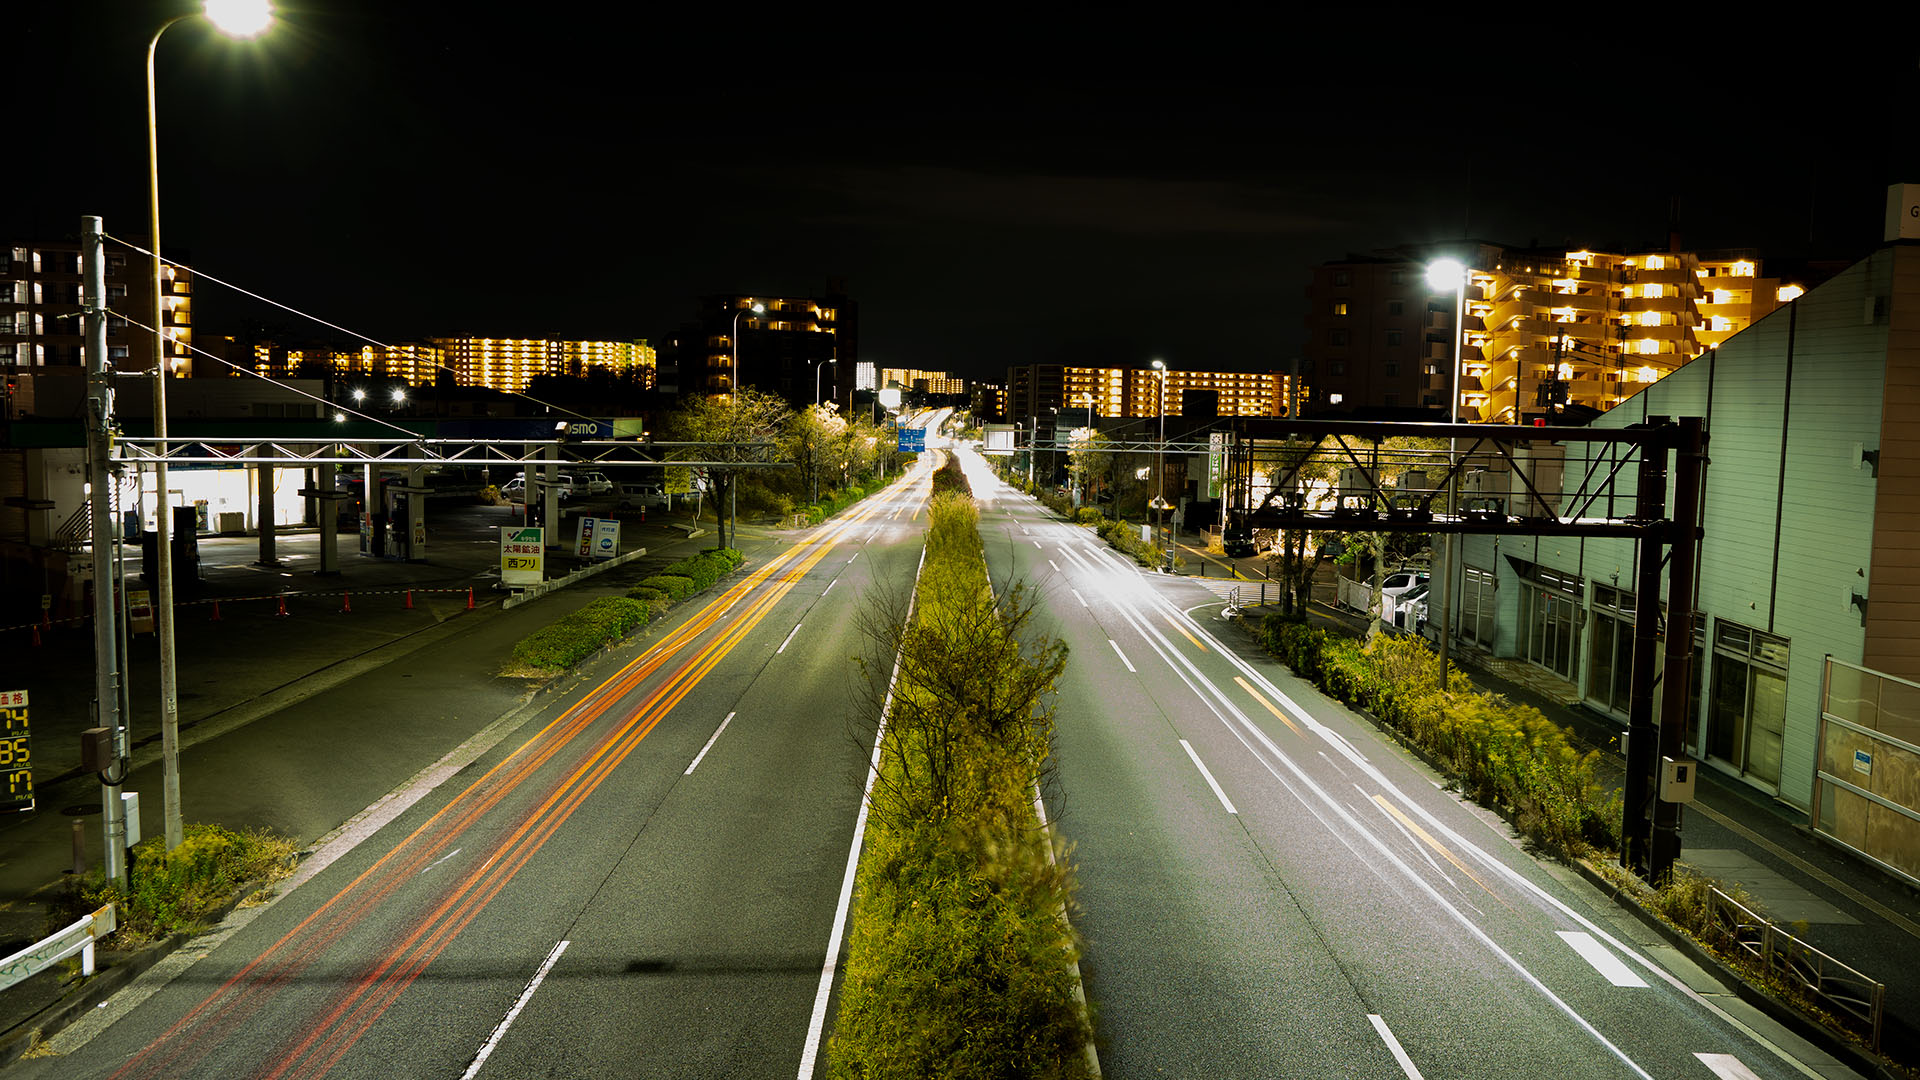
(1738, 834)
(293, 722)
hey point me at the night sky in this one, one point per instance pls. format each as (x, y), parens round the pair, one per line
(994, 188)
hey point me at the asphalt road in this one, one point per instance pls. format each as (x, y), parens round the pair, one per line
(639, 879)
(1268, 887)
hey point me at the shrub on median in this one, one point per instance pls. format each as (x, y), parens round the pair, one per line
(677, 586)
(565, 643)
(178, 891)
(1502, 753)
(960, 961)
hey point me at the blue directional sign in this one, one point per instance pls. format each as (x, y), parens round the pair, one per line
(913, 440)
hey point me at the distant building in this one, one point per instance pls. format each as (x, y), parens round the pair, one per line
(504, 364)
(780, 347)
(989, 403)
(1545, 329)
(925, 382)
(1038, 389)
(40, 324)
(864, 376)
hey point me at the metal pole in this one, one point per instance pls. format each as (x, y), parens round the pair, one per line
(1451, 542)
(1689, 461)
(163, 549)
(106, 673)
(1643, 737)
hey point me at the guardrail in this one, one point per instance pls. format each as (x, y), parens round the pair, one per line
(1805, 969)
(76, 938)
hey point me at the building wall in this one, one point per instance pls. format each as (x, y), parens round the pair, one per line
(1791, 527)
(1893, 612)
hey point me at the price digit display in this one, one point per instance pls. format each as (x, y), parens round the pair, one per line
(16, 752)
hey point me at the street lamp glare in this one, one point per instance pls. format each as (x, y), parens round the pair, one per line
(1159, 365)
(240, 18)
(1445, 275)
(399, 396)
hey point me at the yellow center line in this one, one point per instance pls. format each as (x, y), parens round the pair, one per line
(1282, 717)
(1436, 845)
(1183, 632)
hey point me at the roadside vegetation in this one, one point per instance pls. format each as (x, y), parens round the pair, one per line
(178, 891)
(960, 960)
(561, 644)
(1504, 755)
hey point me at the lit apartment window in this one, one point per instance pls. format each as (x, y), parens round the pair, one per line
(1339, 307)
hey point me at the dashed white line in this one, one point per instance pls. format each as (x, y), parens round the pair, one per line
(493, 1041)
(1077, 596)
(1121, 655)
(830, 586)
(1211, 782)
(789, 641)
(1393, 1044)
(1055, 565)
(709, 746)
(1727, 1067)
(1608, 965)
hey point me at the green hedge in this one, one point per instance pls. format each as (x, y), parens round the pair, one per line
(565, 643)
(677, 586)
(1504, 754)
(959, 962)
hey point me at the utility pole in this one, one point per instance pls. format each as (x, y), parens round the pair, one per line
(106, 642)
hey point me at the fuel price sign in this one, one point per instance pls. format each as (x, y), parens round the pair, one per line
(16, 752)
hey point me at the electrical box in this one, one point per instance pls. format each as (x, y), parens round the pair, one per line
(131, 801)
(1676, 779)
(96, 750)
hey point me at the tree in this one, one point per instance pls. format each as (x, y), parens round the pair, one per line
(1090, 461)
(743, 428)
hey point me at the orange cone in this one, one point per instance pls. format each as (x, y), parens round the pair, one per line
(216, 612)
(469, 598)
(283, 606)
(346, 603)
(409, 599)
(36, 636)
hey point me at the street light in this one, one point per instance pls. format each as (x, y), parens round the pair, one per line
(1446, 274)
(733, 382)
(241, 19)
(1160, 462)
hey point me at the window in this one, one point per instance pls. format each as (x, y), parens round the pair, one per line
(1392, 369)
(1336, 367)
(1339, 307)
(1393, 337)
(1342, 278)
(1337, 338)
(1747, 710)
(1396, 307)
(1397, 277)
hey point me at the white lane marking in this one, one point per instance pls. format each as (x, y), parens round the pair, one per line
(714, 739)
(1393, 1044)
(538, 977)
(1612, 967)
(810, 1048)
(1211, 782)
(830, 586)
(789, 641)
(1055, 565)
(1037, 547)
(1727, 1067)
(1122, 656)
(440, 860)
(854, 556)
(1077, 596)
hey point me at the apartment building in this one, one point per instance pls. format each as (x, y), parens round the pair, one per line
(1546, 330)
(779, 348)
(40, 312)
(504, 364)
(924, 382)
(1040, 389)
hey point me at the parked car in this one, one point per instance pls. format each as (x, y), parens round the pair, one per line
(595, 483)
(568, 485)
(634, 494)
(514, 490)
(1401, 581)
(1238, 543)
(1407, 610)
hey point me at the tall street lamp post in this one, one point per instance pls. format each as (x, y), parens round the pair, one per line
(1450, 274)
(240, 19)
(1160, 464)
(733, 381)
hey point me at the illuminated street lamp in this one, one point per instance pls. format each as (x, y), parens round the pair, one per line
(1160, 461)
(1442, 275)
(733, 382)
(241, 19)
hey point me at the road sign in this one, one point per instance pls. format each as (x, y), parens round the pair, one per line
(16, 752)
(913, 440)
(523, 555)
(599, 538)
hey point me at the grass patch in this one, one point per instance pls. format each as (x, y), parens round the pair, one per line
(179, 891)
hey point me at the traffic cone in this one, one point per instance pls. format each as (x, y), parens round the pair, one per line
(283, 606)
(469, 598)
(409, 599)
(346, 603)
(36, 635)
(216, 612)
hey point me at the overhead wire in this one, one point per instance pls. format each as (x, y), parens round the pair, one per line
(315, 318)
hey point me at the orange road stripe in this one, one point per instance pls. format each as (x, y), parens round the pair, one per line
(1436, 845)
(1257, 696)
(1183, 631)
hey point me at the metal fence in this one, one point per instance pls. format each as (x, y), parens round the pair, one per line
(1827, 982)
(1866, 787)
